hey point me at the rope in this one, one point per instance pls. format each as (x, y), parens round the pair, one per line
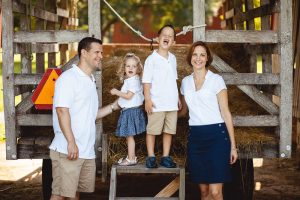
(185, 29)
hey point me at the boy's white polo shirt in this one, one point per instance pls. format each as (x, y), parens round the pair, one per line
(77, 91)
(203, 104)
(162, 74)
(132, 84)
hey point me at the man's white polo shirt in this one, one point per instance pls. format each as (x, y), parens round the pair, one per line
(203, 104)
(162, 74)
(77, 91)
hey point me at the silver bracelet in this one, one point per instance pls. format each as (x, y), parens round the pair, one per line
(112, 107)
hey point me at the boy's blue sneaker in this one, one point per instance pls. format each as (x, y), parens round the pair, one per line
(166, 161)
(151, 162)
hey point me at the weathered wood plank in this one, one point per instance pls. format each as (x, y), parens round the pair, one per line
(27, 79)
(250, 22)
(35, 11)
(258, 121)
(40, 25)
(94, 19)
(141, 168)
(229, 14)
(240, 36)
(50, 36)
(256, 12)
(50, 6)
(104, 150)
(199, 19)
(8, 80)
(250, 78)
(170, 189)
(24, 105)
(36, 48)
(69, 64)
(286, 77)
(62, 12)
(113, 183)
(251, 91)
(34, 120)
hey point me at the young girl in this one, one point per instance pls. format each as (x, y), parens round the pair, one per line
(132, 119)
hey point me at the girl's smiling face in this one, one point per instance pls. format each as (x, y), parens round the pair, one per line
(199, 57)
(130, 67)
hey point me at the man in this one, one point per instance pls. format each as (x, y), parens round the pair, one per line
(75, 109)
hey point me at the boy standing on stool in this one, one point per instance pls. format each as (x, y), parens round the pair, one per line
(161, 97)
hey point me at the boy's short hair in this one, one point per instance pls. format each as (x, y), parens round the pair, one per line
(85, 44)
(167, 25)
(191, 51)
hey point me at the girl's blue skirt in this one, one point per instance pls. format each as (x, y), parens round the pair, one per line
(209, 154)
(131, 122)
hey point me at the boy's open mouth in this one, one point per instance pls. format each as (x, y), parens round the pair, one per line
(166, 41)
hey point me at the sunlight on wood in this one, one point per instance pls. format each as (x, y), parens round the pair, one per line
(257, 186)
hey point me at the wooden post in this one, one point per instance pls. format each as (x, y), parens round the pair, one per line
(266, 58)
(40, 25)
(199, 19)
(95, 30)
(250, 26)
(8, 80)
(64, 22)
(286, 78)
(51, 26)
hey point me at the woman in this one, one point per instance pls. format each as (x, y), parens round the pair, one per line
(211, 143)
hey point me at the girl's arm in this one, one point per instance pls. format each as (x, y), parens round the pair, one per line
(226, 115)
(184, 109)
(124, 95)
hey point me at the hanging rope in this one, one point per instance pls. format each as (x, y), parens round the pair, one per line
(185, 29)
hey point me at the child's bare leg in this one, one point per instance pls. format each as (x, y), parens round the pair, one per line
(131, 147)
(167, 141)
(150, 142)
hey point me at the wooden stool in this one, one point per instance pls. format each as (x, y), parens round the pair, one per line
(141, 169)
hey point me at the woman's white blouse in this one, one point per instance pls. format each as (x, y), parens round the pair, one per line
(203, 104)
(133, 85)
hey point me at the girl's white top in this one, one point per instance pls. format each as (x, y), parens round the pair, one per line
(203, 104)
(132, 84)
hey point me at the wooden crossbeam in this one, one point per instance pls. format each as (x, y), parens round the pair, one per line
(49, 36)
(256, 12)
(241, 36)
(24, 105)
(251, 91)
(250, 78)
(27, 79)
(36, 48)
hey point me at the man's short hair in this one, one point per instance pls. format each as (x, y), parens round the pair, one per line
(86, 42)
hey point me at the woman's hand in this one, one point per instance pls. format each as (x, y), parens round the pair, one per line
(233, 156)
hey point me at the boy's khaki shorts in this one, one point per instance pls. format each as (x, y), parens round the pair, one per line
(71, 176)
(159, 122)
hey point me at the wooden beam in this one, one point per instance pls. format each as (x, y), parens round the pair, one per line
(27, 79)
(286, 78)
(229, 14)
(170, 189)
(199, 19)
(34, 120)
(250, 78)
(94, 18)
(251, 91)
(258, 121)
(69, 64)
(261, 11)
(24, 105)
(50, 36)
(8, 80)
(35, 12)
(36, 48)
(62, 12)
(240, 36)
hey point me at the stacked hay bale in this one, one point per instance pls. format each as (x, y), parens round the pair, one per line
(249, 139)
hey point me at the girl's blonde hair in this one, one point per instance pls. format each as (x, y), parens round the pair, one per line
(121, 71)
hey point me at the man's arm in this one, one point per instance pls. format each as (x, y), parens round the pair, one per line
(64, 120)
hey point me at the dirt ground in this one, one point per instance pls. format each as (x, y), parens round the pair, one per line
(275, 179)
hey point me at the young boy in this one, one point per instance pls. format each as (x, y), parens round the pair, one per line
(161, 97)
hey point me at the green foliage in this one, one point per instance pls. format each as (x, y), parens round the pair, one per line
(178, 13)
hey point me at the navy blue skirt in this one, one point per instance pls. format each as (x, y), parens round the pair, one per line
(209, 154)
(131, 122)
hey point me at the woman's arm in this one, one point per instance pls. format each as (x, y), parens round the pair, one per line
(124, 95)
(184, 109)
(226, 115)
